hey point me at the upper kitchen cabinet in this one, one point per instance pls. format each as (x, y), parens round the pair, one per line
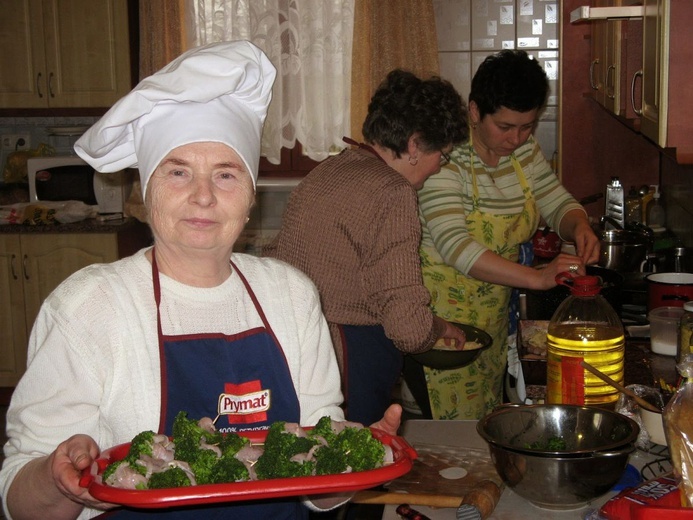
(63, 53)
(640, 66)
(667, 99)
(605, 66)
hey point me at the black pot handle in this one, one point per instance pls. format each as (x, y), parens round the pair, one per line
(676, 297)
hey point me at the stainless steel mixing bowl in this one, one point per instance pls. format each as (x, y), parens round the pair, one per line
(597, 445)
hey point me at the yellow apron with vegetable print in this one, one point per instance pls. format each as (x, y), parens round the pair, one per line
(471, 392)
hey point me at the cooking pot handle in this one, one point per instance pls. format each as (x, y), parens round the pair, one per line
(615, 453)
(677, 297)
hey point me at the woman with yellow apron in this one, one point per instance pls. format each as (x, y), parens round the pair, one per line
(475, 214)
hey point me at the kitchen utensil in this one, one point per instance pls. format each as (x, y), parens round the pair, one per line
(404, 456)
(601, 375)
(664, 329)
(598, 443)
(622, 250)
(615, 201)
(668, 289)
(447, 359)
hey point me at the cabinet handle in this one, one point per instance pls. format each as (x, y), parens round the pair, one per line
(14, 274)
(638, 111)
(50, 85)
(592, 83)
(610, 90)
(38, 85)
(24, 269)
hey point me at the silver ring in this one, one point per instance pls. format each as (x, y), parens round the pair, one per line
(573, 268)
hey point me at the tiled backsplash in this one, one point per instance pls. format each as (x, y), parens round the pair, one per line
(470, 30)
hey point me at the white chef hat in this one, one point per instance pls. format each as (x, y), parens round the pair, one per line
(218, 92)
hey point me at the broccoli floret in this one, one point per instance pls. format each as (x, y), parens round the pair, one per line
(173, 477)
(330, 461)
(280, 446)
(231, 443)
(362, 450)
(187, 436)
(203, 465)
(324, 429)
(230, 469)
(141, 444)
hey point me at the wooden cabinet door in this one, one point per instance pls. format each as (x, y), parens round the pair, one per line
(13, 330)
(22, 60)
(87, 52)
(51, 258)
(655, 60)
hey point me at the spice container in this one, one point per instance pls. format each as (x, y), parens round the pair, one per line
(583, 328)
(685, 343)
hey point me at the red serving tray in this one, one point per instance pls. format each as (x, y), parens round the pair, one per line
(403, 454)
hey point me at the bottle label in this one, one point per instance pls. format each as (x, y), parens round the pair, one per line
(565, 380)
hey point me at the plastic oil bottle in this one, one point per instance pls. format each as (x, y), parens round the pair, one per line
(584, 328)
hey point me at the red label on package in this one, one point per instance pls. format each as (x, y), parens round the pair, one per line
(573, 383)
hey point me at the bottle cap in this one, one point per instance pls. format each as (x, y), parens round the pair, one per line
(586, 286)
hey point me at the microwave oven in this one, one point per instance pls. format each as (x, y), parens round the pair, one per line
(62, 178)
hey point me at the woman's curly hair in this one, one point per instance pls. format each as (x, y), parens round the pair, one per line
(405, 105)
(510, 79)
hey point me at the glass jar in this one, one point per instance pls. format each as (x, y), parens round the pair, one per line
(685, 344)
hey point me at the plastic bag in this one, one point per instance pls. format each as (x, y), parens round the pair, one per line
(627, 406)
(678, 424)
(46, 213)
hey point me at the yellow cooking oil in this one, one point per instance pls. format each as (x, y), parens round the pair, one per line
(600, 344)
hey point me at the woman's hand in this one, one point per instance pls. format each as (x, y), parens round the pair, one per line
(391, 420)
(587, 243)
(51, 483)
(576, 227)
(561, 264)
(451, 335)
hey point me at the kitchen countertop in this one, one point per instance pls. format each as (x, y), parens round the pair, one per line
(511, 506)
(84, 226)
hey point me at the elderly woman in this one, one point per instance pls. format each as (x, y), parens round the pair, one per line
(352, 227)
(121, 348)
(475, 214)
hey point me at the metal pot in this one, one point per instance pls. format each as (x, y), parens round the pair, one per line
(668, 289)
(622, 250)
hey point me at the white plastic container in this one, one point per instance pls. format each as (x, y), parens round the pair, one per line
(664, 329)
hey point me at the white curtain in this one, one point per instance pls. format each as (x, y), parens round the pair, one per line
(310, 42)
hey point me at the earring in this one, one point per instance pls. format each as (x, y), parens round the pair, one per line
(413, 161)
(474, 125)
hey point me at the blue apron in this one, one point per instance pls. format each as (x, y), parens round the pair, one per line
(244, 379)
(372, 367)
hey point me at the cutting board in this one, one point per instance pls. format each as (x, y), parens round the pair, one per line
(424, 484)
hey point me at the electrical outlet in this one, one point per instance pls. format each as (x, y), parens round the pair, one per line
(14, 142)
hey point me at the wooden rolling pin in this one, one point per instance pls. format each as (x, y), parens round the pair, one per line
(484, 497)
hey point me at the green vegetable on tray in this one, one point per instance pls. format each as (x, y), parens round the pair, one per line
(198, 454)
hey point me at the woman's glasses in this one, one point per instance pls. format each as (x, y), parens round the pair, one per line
(444, 158)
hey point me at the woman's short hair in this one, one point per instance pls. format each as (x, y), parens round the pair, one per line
(510, 79)
(405, 105)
